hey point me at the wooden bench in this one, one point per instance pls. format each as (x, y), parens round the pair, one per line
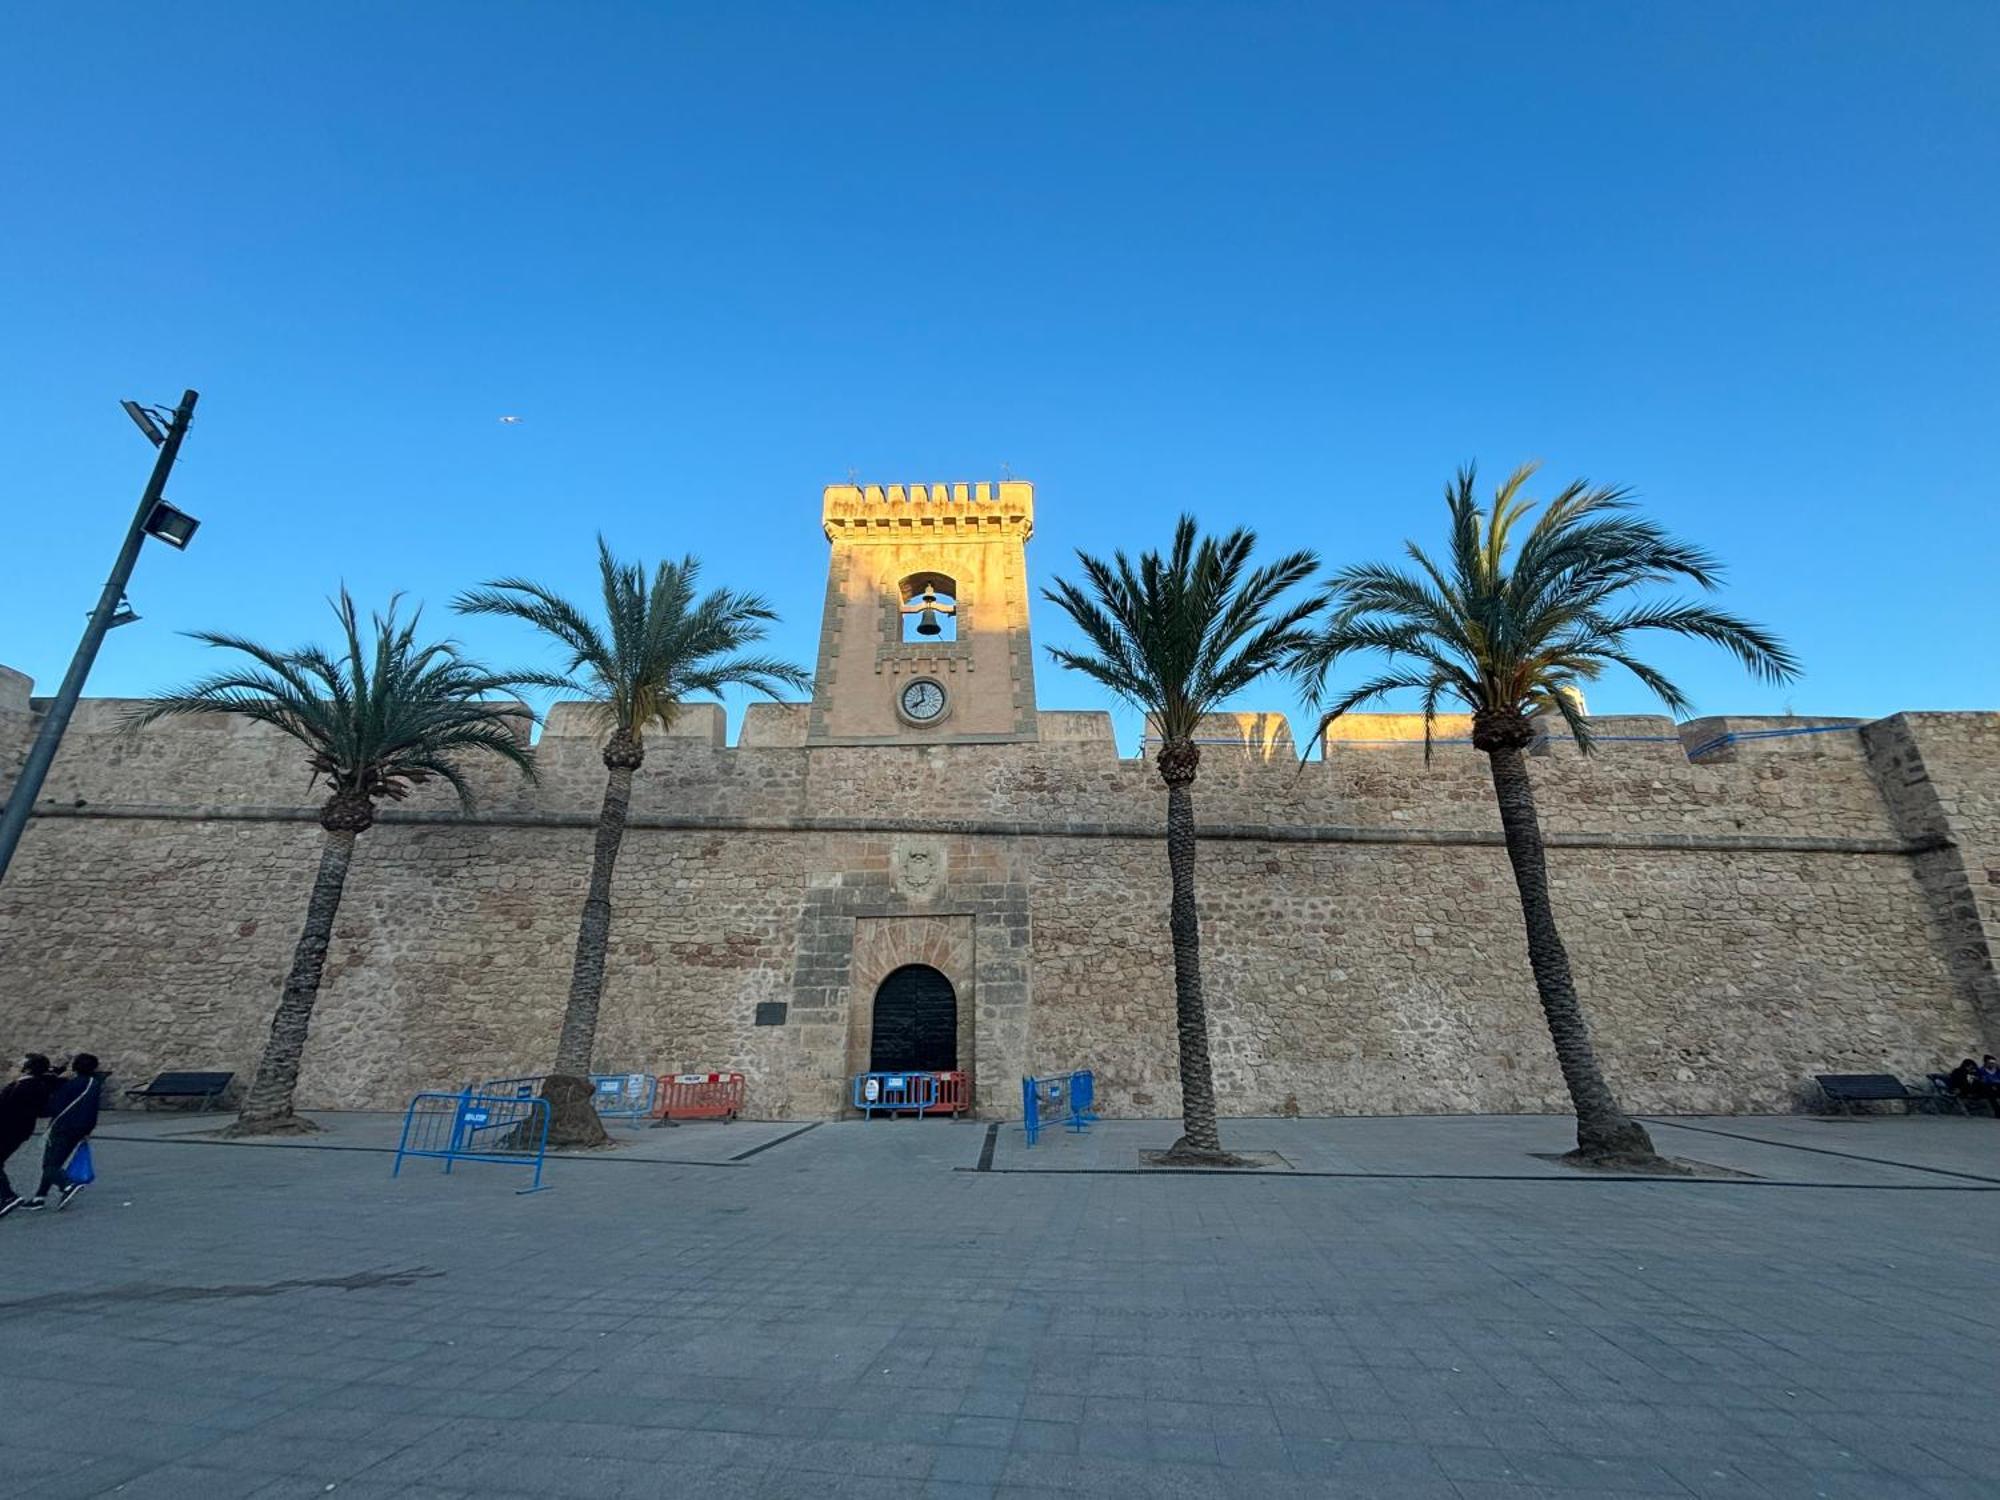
(1845, 1090)
(207, 1087)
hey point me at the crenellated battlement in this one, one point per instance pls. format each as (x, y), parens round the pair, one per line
(1754, 777)
(243, 761)
(862, 512)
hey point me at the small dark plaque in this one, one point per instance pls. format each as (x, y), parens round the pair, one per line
(770, 1013)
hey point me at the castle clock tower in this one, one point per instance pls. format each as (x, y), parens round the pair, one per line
(925, 636)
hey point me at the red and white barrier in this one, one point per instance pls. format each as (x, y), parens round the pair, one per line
(698, 1096)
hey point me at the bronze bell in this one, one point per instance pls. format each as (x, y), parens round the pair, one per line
(927, 616)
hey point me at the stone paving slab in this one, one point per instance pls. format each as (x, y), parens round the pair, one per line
(1932, 1143)
(695, 1141)
(1914, 1152)
(858, 1311)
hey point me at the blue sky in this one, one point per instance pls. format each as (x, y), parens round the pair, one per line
(1285, 266)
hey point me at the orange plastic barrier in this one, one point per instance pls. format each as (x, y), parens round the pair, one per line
(699, 1096)
(954, 1096)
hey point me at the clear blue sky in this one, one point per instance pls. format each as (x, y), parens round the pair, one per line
(1283, 265)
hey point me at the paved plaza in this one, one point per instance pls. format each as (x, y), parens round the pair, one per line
(1401, 1307)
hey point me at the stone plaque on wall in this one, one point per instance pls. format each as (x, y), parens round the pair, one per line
(919, 868)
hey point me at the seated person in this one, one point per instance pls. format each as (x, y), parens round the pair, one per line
(1964, 1080)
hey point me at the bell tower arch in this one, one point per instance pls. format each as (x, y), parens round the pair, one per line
(924, 639)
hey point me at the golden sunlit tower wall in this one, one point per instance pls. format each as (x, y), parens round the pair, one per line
(924, 639)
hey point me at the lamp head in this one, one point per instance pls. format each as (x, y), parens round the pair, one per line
(143, 420)
(174, 527)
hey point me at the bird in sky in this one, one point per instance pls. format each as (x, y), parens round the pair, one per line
(509, 421)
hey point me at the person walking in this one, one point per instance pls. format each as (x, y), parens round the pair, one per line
(22, 1103)
(72, 1116)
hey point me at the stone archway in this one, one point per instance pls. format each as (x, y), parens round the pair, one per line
(885, 944)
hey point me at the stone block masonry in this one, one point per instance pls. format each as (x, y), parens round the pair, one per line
(1799, 904)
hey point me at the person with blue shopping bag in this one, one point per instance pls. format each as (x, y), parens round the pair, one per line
(66, 1164)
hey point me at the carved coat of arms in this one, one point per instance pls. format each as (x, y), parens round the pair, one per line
(918, 871)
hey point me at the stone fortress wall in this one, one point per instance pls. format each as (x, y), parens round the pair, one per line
(1785, 905)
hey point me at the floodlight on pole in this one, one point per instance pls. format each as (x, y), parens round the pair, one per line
(143, 420)
(174, 527)
(154, 517)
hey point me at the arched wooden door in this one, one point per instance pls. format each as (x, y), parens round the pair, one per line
(916, 1023)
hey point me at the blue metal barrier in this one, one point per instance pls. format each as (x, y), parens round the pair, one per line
(1082, 1101)
(1073, 1095)
(508, 1129)
(615, 1096)
(510, 1088)
(623, 1096)
(891, 1093)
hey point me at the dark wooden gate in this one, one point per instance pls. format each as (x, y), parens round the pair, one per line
(916, 1022)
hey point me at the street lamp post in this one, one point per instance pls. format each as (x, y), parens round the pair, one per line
(153, 518)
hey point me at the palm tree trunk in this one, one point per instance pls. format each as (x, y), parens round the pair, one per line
(573, 1117)
(1200, 1138)
(267, 1107)
(1604, 1132)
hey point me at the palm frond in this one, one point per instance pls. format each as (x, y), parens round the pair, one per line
(1506, 626)
(548, 612)
(1179, 633)
(1763, 655)
(655, 644)
(383, 713)
(1379, 687)
(1565, 705)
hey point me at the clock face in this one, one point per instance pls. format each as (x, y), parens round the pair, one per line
(923, 701)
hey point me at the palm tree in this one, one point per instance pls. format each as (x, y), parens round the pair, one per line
(1511, 632)
(656, 645)
(387, 715)
(1176, 638)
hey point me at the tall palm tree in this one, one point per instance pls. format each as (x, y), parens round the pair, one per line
(384, 715)
(1177, 637)
(1511, 632)
(655, 646)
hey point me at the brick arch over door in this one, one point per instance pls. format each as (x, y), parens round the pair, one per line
(883, 945)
